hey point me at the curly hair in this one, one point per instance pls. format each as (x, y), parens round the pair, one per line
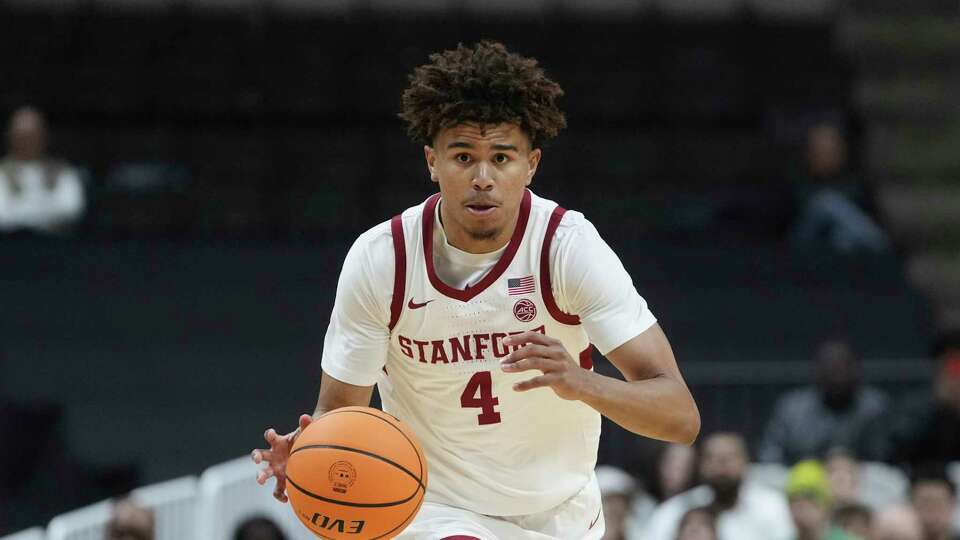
(485, 84)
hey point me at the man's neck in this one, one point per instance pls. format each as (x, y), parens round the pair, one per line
(812, 534)
(462, 240)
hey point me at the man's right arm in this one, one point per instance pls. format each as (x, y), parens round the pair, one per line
(335, 394)
(354, 349)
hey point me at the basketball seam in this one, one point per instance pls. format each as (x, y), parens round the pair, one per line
(404, 523)
(412, 445)
(364, 452)
(347, 503)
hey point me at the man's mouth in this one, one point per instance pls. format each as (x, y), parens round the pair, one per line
(481, 209)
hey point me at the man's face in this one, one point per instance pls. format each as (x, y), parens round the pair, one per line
(724, 463)
(838, 374)
(826, 150)
(844, 475)
(808, 514)
(27, 135)
(482, 172)
(934, 504)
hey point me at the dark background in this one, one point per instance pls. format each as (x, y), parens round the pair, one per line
(231, 158)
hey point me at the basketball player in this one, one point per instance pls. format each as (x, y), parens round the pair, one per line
(474, 313)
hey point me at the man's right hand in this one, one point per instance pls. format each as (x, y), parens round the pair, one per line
(276, 457)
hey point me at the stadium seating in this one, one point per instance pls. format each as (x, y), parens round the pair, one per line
(882, 485)
(229, 494)
(174, 507)
(36, 533)
(87, 523)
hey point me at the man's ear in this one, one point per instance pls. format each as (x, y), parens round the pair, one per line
(431, 158)
(533, 161)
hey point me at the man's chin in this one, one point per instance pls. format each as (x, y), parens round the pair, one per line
(483, 234)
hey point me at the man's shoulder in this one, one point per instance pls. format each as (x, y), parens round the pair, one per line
(380, 236)
(874, 399)
(803, 398)
(572, 224)
(375, 243)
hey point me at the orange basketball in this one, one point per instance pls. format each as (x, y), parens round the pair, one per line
(356, 473)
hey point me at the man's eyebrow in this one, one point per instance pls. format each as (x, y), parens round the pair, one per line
(463, 144)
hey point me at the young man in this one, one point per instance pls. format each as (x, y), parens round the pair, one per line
(474, 312)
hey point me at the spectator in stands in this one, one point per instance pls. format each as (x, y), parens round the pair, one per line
(675, 470)
(698, 524)
(258, 528)
(875, 485)
(832, 202)
(37, 193)
(897, 523)
(843, 474)
(837, 411)
(744, 511)
(928, 427)
(934, 497)
(808, 491)
(130, 522)
(854, 519)
(617, 488)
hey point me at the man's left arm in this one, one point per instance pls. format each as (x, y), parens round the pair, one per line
(592, 283)
(653, 401)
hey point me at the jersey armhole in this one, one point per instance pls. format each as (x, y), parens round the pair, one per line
(546, 284)
(399, 270)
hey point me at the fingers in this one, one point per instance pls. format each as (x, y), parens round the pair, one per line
(259, 455)
(543, 364)
(536, 382)
(528, 337)
(530, 351)
(279, 492)
(271, 436)
(264, 474)
(305, 420)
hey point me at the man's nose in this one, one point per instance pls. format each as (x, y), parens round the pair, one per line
(483, 178)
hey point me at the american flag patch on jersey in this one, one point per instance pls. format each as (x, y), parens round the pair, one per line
(523, 285)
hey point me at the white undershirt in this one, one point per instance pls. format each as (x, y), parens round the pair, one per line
(456, 267)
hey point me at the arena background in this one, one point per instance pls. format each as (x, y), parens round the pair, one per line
(232, 150)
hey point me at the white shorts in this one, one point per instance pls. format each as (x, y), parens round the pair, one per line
(578, 518)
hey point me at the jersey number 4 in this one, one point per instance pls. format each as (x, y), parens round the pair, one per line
(479, 394)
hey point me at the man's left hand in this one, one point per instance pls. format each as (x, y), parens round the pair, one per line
(546, 354)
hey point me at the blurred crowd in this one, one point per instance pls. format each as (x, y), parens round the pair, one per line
(131, 521)
(827, 205)
(839, 460)
(37, 192)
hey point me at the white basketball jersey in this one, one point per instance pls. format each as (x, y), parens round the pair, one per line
(489, 448)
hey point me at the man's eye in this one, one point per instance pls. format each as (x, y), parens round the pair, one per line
(463, 158)
(500, 158)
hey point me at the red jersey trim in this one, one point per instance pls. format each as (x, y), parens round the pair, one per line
(546, 286)
(586, 357)
(399, 270)
(465, 295)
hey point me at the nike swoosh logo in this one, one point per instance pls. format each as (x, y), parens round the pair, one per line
(594, 522)
(413, 305)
